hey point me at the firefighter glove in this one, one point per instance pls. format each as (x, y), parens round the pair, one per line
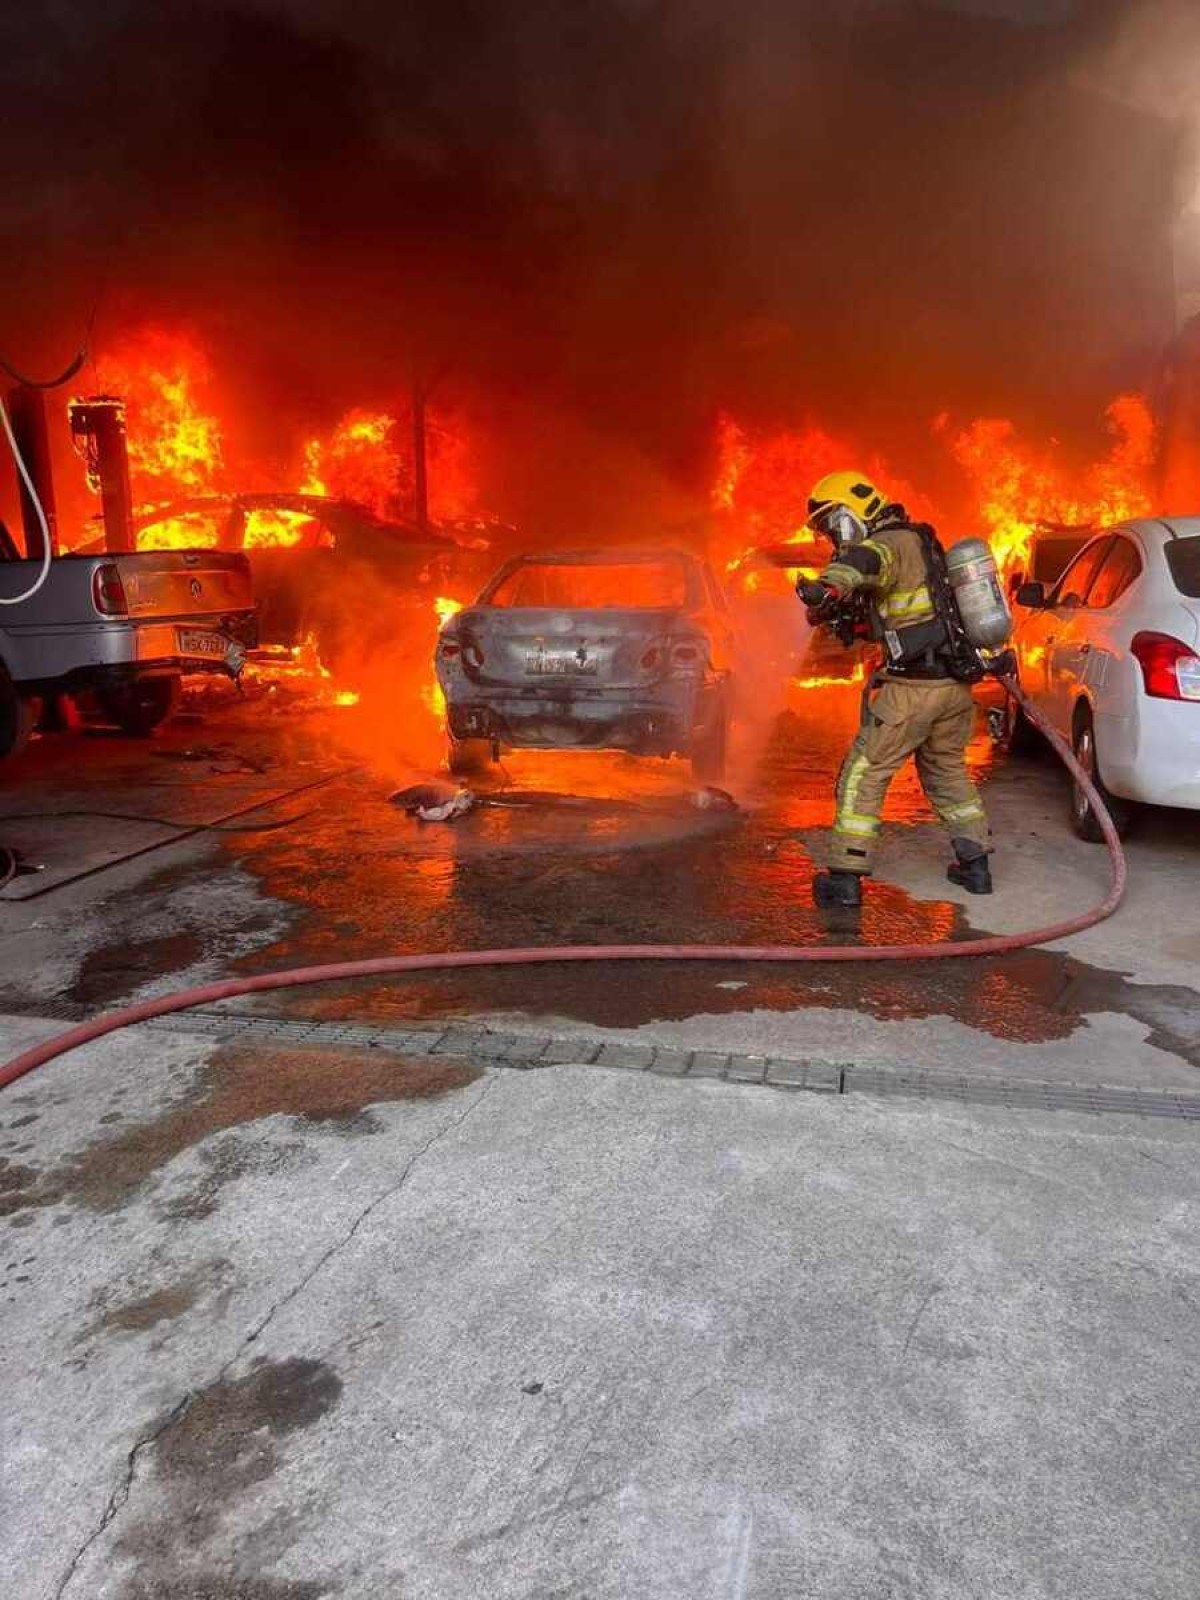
(820, 600)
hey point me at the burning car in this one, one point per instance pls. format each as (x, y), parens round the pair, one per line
(625, 649)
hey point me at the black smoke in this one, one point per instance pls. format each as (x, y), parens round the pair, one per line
(629, 212)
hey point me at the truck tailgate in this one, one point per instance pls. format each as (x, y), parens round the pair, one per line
(185, 583)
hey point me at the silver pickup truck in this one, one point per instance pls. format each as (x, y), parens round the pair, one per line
(120, 630)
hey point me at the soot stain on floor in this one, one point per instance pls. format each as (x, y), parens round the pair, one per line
(238, 1086)
(132, 1313)
(211, 1462)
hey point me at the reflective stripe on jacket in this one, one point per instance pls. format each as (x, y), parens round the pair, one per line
(890, 566)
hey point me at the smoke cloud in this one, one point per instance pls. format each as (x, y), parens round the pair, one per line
(629, 213)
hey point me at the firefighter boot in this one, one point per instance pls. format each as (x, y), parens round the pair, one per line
(970, 870)
(837, 888)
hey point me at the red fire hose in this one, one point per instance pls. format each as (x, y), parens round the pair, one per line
(331, 972)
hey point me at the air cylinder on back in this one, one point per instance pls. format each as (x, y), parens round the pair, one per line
(974, 577)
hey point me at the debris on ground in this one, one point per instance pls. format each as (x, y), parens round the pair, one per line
(442, 802)
(434, 802)
(710, 798)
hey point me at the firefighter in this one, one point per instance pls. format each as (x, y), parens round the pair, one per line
(913, 706)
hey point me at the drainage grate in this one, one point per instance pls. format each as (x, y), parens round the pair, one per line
(527, 1051)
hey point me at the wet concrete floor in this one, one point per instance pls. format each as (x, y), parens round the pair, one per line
(583, 849)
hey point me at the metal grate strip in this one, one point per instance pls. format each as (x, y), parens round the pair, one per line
(527, 1051)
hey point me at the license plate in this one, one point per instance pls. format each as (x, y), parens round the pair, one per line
(192, 642)
(559, 663)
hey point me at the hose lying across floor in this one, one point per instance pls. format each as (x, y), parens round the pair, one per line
(381, 966)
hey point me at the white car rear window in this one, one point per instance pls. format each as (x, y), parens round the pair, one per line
(1183, 558)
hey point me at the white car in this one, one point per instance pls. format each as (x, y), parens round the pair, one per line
(1111, 658)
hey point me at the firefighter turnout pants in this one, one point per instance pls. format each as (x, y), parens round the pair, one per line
(930, 719)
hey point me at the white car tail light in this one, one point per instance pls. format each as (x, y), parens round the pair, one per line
(687, 657)
(1170, 668)
(108, 592)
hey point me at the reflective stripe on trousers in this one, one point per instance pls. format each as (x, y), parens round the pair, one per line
(931, 720)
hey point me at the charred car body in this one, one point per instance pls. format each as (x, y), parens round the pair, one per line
(626, 649)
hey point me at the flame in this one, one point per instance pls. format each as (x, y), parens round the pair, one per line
(733, 457)
(267, 529)
(358, 460)
(175, 442)
(179, 448)
(432, 697)
(299, 667)
(1017, 487)
(367, 457)
(761, 483)
(857, 676)
(175, 447)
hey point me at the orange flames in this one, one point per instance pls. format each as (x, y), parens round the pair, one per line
(358, 460)
(1016, 487)
(299, 667)
(175, 446)
(368, 457)
(432, 697)
(178, 448)
(175, 442)
(857, 676)
(761, 484)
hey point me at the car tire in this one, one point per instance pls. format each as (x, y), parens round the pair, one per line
(1017, 735)
(710, 747)
(141, 707)
(17, 717)
(468, 757)
(1083, 818)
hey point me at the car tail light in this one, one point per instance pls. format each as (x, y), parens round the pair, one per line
(108, 592)
(1170, 668)
(449, 647)
(687, 654)
(651, 657)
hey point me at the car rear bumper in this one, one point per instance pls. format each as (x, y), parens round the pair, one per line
(1154, 756)
(88, 655)
(648, 724)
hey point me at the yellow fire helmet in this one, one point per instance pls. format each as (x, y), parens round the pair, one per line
(843, 505)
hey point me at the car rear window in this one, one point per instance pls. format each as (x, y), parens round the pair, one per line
(588, 586)
(1183, 558)
(1050, 557)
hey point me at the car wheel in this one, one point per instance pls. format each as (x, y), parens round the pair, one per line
(1083, 818)
(17, 717)
(1017, 734)
(465, 757)
(139, 708)
(710, 747)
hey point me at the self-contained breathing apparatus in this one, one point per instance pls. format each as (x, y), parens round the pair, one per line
(971, 615)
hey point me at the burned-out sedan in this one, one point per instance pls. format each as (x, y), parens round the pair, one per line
(619, 649)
